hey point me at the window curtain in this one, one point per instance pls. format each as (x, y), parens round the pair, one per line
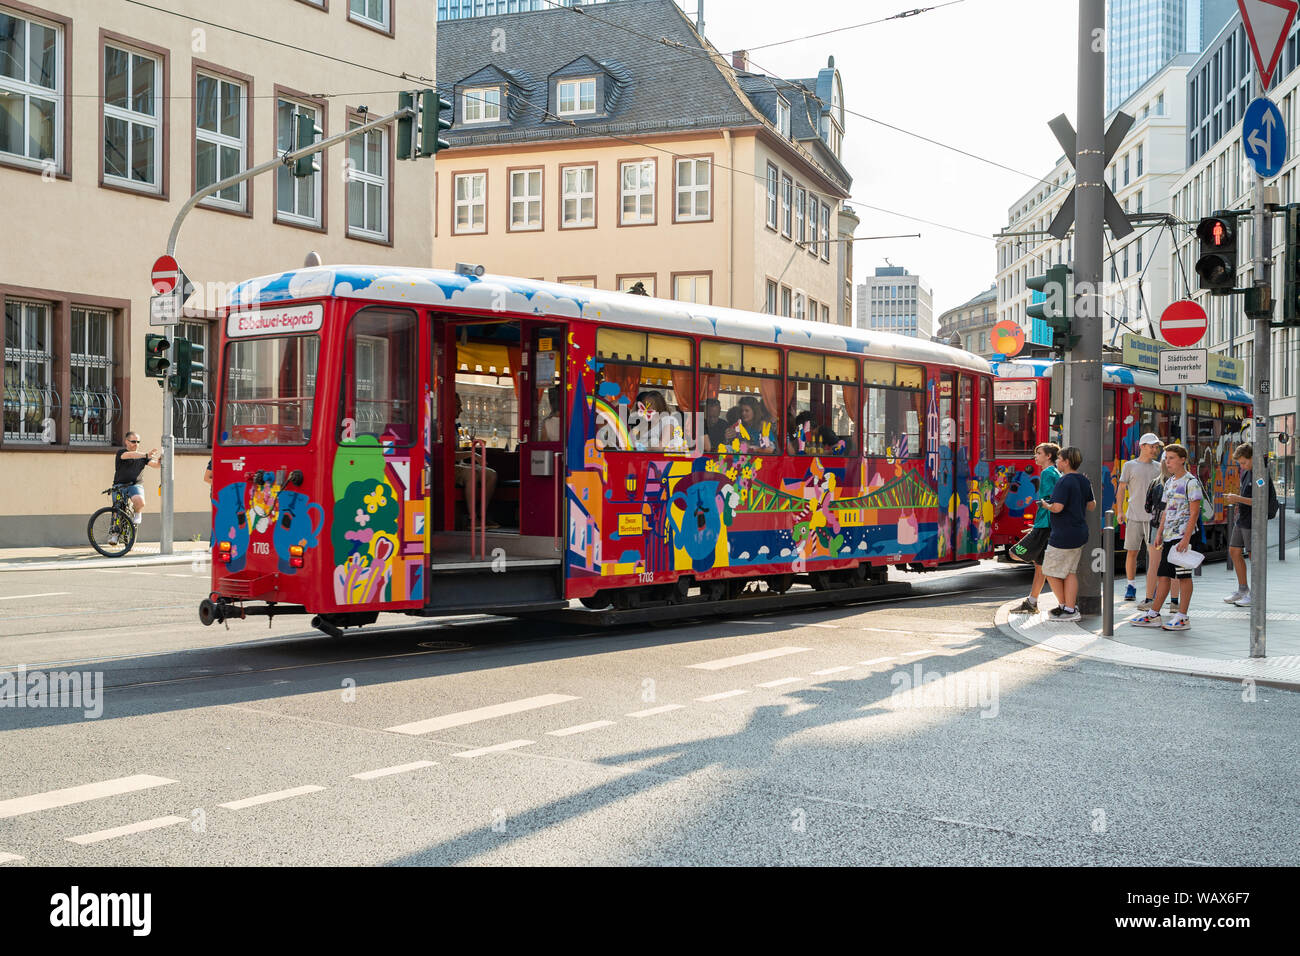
(710, 387)
(626, 377)
(770, 389)
(513, 356)
(682, 388)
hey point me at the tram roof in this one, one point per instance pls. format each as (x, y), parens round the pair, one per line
(1123, 375)
(494, 293)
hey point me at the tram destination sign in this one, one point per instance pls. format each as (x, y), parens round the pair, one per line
(1142, 352)
(1183, 367)
(296, 318)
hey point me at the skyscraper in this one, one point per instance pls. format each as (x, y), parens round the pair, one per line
(461, 9)
(1143, 35)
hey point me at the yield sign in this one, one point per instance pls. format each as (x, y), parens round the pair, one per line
(1267, 23)
(165, 275)
(1183, 324)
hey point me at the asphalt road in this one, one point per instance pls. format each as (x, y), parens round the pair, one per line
(778, 739)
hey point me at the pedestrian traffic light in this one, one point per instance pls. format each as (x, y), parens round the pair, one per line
(187, 381)
(1057, 306)
(1216, 262)
(1291, 268)
(155, 355)
(406, 127)
(431, 122)
(305, 138)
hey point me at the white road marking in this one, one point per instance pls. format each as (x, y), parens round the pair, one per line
(186, 576)
(964, 823)
(723, 696)
(886, 630)
(915, 653)
(480, 713)
(778, 683)
(9, 857)
(832, 670)
(656, 710)
(580, 728)
(874, 660)
(19, 597)
(724, 662)
(147, 574)
(98, 837)
(833, 627)
(269, 797)
(508, 745)
(388, 771)
(70, 795)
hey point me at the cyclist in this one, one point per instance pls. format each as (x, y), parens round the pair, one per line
(128, 465)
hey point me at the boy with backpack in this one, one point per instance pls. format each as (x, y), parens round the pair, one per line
(1184, 500)
(1136, 478)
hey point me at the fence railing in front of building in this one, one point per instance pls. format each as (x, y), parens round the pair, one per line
(31, 413)
(92, 413)
(192, 421)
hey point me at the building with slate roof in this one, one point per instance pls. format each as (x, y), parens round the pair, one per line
(612, 145)
(972, 322)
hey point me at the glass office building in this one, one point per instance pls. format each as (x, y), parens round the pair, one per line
(1143, 35)
(460, 9)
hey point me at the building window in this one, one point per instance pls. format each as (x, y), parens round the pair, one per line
(783, 117)
(626, 283)
(694, 287)
(584, 282)
(814, 217)
(637, 193)
(799, 305)
(192, 415)
(800, 214)
(30, 403)
(826, 232)
(1139, 159)
(481, 105)
(694, 189)
(132, 120)
(368, 185)
(576, 97)
(787, 206)
(92, 402)
(525, 200)
(374, 13)
(220, 138)
(470, 203)
(769, 302)
(578, 197)
(31, 91)
(297, 199)
(785, 301)
(773, 196)
(826, 314)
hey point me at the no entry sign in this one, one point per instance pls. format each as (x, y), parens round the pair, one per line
(1183, 324)
(165, 275)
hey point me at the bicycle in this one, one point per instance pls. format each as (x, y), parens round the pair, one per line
(111, 529)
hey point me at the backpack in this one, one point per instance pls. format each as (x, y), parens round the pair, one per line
(1273, 506)
(1207, 504)
(1155, 503)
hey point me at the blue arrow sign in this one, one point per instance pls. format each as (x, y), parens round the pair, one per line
(1263, 136)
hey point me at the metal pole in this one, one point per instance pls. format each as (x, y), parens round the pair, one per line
(1182, 417)
(1108, 584)
(1281, 527)
(167, 510)
(1263, 229)
(1083, 368)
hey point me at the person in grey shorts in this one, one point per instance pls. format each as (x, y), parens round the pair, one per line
(1135, 478)
(1070, 498)
(1239, 539)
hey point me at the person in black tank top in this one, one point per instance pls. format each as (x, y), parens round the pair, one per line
(129, 465)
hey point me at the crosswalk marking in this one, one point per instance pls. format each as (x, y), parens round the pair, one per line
(780, 681)
(9, 857)
(724, 662)
(833, 627)
(914, 653)
(144, 825)
(495, 748)
(723, 696)
(656, 710)
(269, 797)
(464, 717)
(19, 597)
(832, 670)
(70, 795)
(580, 728)
(388, 771)
(874, 660)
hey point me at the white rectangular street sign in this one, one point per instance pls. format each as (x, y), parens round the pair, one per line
(165, 309)
(1184, 366)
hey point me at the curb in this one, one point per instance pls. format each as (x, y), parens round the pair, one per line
(1070, 639)
(79, 564)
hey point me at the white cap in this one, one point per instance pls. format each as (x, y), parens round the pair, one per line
(1149, 439)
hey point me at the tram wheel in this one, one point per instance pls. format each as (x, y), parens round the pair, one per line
(597, 602)
(822, 580)
(779, 583)
(719, 590)
(678, 591)
(854, 577)
(626, 599)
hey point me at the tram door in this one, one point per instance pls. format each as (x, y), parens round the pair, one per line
(545, 422)
(947, 465)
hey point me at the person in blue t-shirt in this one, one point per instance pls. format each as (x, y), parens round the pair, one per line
(1071, 497)
(1031, 547)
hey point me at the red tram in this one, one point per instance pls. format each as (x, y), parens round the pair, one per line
(426, 442)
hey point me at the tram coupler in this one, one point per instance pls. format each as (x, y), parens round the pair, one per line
(333, 624)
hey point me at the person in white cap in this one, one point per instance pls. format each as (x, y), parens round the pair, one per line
(1135, 479)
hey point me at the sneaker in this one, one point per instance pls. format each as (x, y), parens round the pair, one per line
(112, 539)
(1244, 600)
(1146, 604)
(1027, 607)
(1131, 594)
(1178, 622)
(1149, 619)
(1234, 597)
(1072, 615)
(1173, 602)
(1056, 613)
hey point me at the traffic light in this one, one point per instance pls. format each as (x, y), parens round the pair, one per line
(1216, 262)
(431, 122)
(305, 137)
(1291, 267)
(406, 127)
(155, 355)
(1057, 307)
(188, 378)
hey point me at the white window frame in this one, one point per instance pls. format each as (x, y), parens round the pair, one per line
(693, 278)
(27, 90)
(826, 232)
(294, 216)
(364, 178)
(222, 141)
(800, 307)
(386, 18)
(773, 218)
(800, 214)
(814, 217)
(787, 207)
(575, 86)
(470, 202)
(578, 196)
(694, 189)
(625, 283)
(643, 188)
(527, 199)
(783, 117)
(481, 104)
(132, 118)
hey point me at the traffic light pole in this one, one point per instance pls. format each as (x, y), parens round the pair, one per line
(1263, 236)
(1083, 364)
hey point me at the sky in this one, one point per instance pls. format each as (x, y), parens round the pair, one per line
(982, 75)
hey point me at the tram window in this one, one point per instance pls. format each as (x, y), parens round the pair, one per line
(487, 358)
(821, 417)
(986, 419)
(379, 376)
(270, 389)
(893, 423)
(1014, 427)
(646, 383)
(548, 386)
(740, 394)
(964, 416)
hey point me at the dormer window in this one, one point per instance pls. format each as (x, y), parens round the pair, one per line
(576, 97)
(783, 117)
(481, 105)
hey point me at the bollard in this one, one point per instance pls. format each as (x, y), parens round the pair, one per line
(1108, 576)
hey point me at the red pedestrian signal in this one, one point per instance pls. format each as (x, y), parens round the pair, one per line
(1216, 265)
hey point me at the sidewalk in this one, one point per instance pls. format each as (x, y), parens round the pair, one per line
(144, 553)
(1218, 643)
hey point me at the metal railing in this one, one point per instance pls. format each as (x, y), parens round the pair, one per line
(31, 413)
(92, 414)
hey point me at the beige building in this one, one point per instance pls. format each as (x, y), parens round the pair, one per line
(972, 322)
(584, 154)
(111, 114)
